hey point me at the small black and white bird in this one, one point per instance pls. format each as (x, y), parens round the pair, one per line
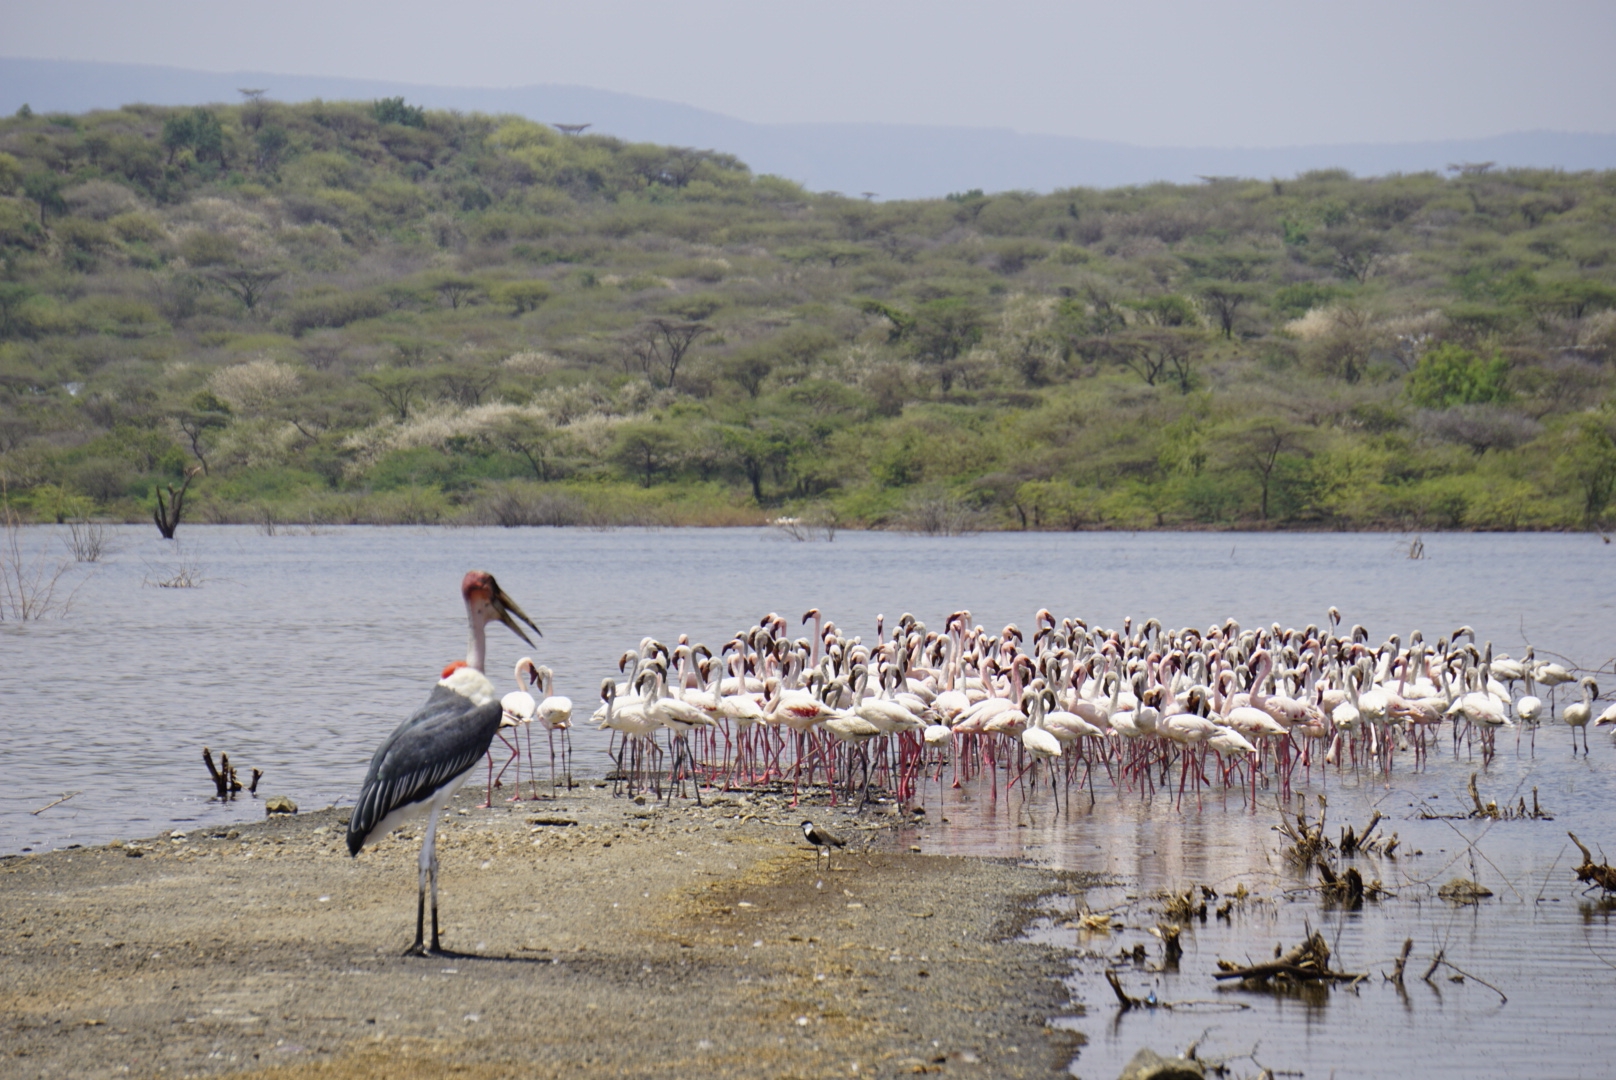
(417, 768)
(823, 840)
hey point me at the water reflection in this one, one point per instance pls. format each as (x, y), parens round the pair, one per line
(1535, 939)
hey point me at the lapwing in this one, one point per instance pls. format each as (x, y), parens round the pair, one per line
(822, 839)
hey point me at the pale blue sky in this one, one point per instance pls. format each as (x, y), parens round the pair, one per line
(1170, 72)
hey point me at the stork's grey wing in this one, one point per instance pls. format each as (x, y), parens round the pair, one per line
(444, 738)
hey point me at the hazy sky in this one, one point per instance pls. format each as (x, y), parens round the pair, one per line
(1170, 72)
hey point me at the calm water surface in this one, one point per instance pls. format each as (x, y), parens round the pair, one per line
(299, 653)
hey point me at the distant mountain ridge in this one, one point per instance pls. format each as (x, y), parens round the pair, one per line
(889, 160)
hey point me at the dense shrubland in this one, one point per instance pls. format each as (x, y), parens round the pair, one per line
(368, 312)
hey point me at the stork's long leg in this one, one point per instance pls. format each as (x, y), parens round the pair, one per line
(436, 947)
(418, 949)
(432, 850)
(428, 870)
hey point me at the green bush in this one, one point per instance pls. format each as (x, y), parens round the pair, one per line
(1452, 375)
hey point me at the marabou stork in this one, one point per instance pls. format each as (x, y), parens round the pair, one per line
(417, 768)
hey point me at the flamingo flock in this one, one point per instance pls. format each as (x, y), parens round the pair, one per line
(1140, 708)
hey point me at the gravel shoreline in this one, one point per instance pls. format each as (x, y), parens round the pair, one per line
(589, 936)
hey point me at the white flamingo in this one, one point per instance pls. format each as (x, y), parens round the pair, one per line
(1578, 713)
(554, 712)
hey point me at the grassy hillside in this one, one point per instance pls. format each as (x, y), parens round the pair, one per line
(367, 312)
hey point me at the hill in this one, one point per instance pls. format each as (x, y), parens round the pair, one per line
(897, 161)
(375, 312)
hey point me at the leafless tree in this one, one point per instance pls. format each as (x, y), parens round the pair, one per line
(659, 347)
(28, 584)
(168, 514)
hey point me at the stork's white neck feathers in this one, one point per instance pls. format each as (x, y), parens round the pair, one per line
(469, 683)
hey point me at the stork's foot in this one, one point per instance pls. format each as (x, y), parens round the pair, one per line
(419, 949)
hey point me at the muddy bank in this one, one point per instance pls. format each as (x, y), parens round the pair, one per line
(591, 937)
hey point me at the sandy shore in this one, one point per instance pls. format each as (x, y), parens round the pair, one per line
(639, 941)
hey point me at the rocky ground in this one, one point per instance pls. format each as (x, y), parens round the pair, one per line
(587, 936)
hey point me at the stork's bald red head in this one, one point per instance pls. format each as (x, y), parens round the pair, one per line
(477, 584)
(486, 601)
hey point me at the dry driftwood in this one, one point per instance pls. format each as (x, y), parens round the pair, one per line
(1600, 875)
(1128, 1001)
(225, 781)
(1125, 999)
(1402, 962)
(1307, 962)
(1184, 906)
(57, 802)
(1307, 841)
(1491, 809)
(1354, 842)
(1308, 844)
(1440, 960)
(1171, 949)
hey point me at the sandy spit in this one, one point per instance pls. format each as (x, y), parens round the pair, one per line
(590, 936)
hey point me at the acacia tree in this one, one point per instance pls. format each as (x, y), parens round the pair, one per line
(757, 449)
(457, 289)
(207, 414)
(749, 369)
(248, 284)
(400, 389)
(198, 131)
(1590, 463)
(645, 448)
(535, 441)
(1353, 252)
(1225, 299)
(1153, 355)
(45, 188)
(466, 383)
(659, 347)
(1260, 450)
(12, 298)
(942, 332)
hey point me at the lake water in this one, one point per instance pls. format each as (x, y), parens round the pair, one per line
(298, 653)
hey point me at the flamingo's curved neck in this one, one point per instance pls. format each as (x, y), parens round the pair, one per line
(1265, 666)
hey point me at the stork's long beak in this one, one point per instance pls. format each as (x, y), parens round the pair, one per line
(505, 607)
